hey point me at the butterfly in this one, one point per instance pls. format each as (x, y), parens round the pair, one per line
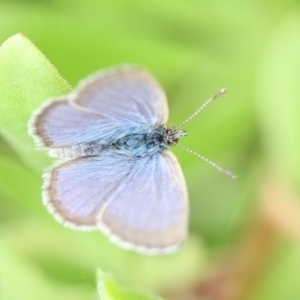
(116, 172)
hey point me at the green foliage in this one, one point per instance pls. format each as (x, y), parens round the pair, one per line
(27, 79)
(23, 280)
(109, 289)
(284, 263)
(278, 97)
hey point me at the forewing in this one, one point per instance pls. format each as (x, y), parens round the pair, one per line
(103, 106)
(129, 94)
(77, 190)
(150, 213)
(61, 123)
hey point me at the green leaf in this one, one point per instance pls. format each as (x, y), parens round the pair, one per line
(110, 289)
(20, 279)
(20, 185)
(27, 80)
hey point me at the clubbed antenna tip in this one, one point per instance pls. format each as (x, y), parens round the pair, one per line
(222, 91)
(215, 96)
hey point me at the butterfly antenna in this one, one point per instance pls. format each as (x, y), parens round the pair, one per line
(233, 176)
(215, 96)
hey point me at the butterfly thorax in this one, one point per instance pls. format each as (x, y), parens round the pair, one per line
(136, 142)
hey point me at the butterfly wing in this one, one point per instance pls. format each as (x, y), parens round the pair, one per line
(150, 213)
(141, 203)
(130, 94)
(59, 123)
(103, 104)
(75, 191)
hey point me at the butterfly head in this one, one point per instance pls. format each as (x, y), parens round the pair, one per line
(171, 135)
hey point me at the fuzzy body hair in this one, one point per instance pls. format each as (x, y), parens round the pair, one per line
(136, 142)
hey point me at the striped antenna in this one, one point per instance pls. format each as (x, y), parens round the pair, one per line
(215, 96)
(233, 176)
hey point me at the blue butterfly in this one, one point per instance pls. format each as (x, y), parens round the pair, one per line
(119, 175)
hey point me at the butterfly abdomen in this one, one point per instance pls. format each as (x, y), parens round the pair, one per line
(139, 142)
(79, 150)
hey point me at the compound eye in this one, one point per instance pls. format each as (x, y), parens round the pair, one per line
(173, 143)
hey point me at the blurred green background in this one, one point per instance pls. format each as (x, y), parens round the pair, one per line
(244, 233)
